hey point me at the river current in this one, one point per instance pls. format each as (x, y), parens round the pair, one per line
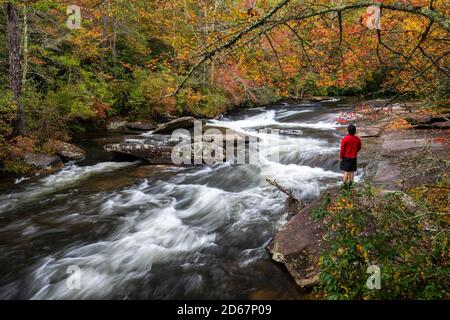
(136, 231)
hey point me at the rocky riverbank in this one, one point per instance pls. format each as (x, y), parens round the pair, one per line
(393, 138)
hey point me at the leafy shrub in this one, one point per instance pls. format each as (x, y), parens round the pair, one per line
(16, 166)
(406, 239)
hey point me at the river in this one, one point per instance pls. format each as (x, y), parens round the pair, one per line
(137, 231)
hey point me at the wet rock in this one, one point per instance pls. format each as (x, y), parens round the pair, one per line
(142, 126)
(154, 154)
(115, 125)
(180, 123)
(298, 244)
(289, 132)
(207, 152)
(183, 154)
(42, 161)
(68, 151)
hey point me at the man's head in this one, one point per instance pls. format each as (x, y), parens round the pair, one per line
(351, 129)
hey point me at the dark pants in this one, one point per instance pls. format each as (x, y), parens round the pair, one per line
(348, 164)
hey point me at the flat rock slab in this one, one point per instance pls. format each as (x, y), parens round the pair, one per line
(392, 147)
(368, 132)
(387, 175)
(298, 244)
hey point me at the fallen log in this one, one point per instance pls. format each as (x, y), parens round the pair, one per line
(285, 191)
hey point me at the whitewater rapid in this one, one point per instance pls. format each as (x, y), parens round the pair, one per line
(177, 232)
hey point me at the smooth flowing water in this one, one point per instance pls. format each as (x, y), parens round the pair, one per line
(159, 232)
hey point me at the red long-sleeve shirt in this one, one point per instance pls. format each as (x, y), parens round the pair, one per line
(350, 145)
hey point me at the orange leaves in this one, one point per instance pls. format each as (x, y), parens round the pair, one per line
(399, 124)
(100, 108)
(36, 60)
(21, 145)
(361, 251)
(126, 66)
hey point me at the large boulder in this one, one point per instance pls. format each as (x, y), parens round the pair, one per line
(154, 154)
(68, 151)
(42, 161)
(180, 123)
(142, 126)
(160, 154)
(298, 243)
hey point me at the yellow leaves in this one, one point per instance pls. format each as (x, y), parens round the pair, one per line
(359, 248)
(361, 251)
(399, 124)
(339, 205)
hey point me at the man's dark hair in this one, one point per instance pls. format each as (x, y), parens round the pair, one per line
(351, 129)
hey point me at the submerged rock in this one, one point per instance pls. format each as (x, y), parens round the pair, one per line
(180, 123)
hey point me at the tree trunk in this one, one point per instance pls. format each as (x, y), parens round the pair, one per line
(114, 39)
(13, 30)
(25, 47)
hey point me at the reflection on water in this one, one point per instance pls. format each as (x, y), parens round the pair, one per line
(161, 232)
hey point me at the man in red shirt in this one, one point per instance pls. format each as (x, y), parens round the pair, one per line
(350, 146)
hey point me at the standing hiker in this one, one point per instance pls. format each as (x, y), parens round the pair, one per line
(350, 145)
